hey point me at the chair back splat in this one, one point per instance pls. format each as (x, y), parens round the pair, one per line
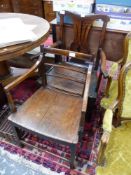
(82, 33)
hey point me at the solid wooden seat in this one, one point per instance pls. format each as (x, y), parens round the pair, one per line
(56, 115)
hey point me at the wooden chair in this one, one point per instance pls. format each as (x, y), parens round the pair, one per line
(82, 33)
(120, 107)
(56, 111)
(111, 90)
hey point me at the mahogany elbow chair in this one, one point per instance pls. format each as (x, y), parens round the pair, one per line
(56, 111)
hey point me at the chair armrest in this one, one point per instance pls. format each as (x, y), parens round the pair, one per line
(108, 118)
(78, 55)
(86, 89)
(24, 76)
(8, 87)
(107, 128)
(107, 121)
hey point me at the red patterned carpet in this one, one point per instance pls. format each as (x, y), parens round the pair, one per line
(51, 154)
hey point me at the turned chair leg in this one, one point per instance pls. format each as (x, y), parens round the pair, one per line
(73, 152)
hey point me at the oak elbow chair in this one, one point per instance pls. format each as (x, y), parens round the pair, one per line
(79, 42)
(56, 111)
(115, 142)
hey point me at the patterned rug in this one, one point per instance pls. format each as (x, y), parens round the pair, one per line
(53, 156)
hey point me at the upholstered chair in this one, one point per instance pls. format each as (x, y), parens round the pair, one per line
(111, 90)
(115, 145)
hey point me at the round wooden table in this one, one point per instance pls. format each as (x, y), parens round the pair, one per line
(41, 30)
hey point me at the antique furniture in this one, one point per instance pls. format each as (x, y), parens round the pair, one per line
(111, 90)
(81, 34)
(55, 111)
(112, 38)
(117, 139)
(79, 42)
(41, 8)
(41, 30)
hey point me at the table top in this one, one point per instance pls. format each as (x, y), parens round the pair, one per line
(41, 30)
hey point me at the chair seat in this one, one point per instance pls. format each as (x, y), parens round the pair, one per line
(106, 102)
(52, 114)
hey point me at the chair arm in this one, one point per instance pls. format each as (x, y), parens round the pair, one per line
(79, 55)
(86, 89)
(107, 120)
(107, 128)
(8, 87)
(24, 76)
(113, 68)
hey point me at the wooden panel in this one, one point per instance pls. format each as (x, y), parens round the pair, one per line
(34, 7)
(5, 6)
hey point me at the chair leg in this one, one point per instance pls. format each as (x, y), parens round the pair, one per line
(17, 139)
(73, 152)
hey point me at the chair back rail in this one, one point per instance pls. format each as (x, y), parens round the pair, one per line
(82, 29)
